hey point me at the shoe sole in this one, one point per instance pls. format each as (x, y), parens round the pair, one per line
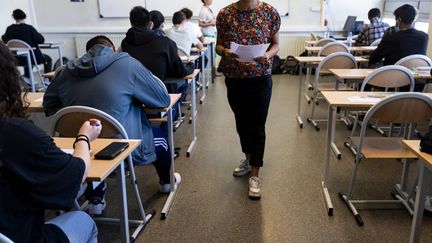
(254, 197)
(238, 174)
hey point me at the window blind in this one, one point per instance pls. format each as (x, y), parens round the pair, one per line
(423, 7)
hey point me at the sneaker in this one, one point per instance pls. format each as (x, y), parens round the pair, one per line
(242, 169)
(166, 188)
(96, 206)
(254, 188)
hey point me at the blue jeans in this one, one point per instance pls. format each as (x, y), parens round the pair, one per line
(77, 226)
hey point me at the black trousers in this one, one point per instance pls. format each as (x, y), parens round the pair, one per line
(249, 99)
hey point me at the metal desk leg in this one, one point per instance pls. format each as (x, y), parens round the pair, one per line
(326, 194)
(333, 145)
(203, 78)
(212, 61)
(298, 116)
(60, 55)
(124, 220)
(425, 175)
(193, 112)
(174, 183)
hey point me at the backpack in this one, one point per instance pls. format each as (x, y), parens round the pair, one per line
(426, 141)
(276, 67)
(291, 66)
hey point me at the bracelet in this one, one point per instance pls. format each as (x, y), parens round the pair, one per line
(82, 139)
(82, 135)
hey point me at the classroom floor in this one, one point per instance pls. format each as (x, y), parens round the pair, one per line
(212, 206)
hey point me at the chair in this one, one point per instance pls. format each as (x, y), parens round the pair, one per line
(325, 41)
(387, 77)
(15, 43)
(5, 239)
(333, 47)
(335, 60)
(67, 122)
(375, 42)
(403, 108)
(414, 61)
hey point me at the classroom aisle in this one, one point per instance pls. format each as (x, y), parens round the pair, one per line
(212, 206)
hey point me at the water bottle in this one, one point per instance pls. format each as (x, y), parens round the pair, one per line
(349, 39)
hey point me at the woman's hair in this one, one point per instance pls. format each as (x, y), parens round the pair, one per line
(187, 12)
(11, 102)
(18, 14)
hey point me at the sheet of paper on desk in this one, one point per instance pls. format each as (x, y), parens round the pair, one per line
(358, 99)
(247, 53)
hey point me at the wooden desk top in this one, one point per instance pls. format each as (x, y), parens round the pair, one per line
(414, 145)
(174, 98)
(362, 73)
(192, 75)
(50, 44)
(49, 75)
(363, 99)
(194, 49)
(313, 42)
(319, 59)
(100, 169)
(353, 48)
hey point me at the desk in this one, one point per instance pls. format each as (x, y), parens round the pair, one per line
(174, 185)
(313, 42)
(101, 169)
(35, 100)
(314, 49)
(25, 52)
(204, 79)
(360, 74)
(49, 75)
(211, 44)
(192, 77)
(310, 62)
(424, 182)
(53, 45)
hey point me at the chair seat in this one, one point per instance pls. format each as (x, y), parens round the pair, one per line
(383, 148)
(331, 87)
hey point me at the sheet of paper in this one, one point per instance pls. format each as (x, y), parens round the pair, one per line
(68, 151)
(358, 99)
(39, 99)
(247, 53)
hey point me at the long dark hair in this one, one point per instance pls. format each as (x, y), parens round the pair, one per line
(11, 102)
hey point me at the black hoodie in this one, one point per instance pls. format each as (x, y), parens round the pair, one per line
(156, 53)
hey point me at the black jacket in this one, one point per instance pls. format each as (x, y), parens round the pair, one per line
(28, 34)
(397, 45)
(156, 53)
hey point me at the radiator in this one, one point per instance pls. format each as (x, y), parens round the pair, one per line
(291, 45)
(81, 41)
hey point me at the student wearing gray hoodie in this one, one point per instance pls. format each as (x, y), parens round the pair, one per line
(119, 85)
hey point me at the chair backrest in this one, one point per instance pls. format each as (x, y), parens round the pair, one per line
(67, 122)
(340, 60)
(375, 42)
(333, 47)
(324, 41)
(391, 76)
(415, 61)
(15, 43)
(5, 239)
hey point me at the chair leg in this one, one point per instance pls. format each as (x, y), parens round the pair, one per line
(349, 144)
(346, 197)
(311, 118)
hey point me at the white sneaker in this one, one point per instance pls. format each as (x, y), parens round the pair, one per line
(242, 169)
(254, 188)
(96, 206)
(166, 188)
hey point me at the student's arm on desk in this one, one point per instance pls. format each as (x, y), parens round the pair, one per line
(383, 50)
(148, 89)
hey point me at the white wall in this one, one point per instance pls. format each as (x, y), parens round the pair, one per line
(7, 6)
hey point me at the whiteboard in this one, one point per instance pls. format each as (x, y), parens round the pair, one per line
(117, 9)
(169, 7)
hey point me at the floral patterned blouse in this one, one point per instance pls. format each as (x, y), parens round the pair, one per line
(250, 27)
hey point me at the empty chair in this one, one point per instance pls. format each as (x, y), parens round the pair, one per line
(335, 60)
(324, 42)
(414, 61)
(403, 108)
(66, 123)
(333, 47)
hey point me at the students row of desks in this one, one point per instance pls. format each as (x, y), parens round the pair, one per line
(344, 100)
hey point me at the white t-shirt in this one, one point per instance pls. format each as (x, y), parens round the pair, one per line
(193, 28)
(207, 16)
(182, 38)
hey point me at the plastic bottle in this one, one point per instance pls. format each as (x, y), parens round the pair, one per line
(349, 39)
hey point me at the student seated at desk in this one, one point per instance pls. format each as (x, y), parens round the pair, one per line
(27, 33)
(374, 31)
(158, 22)
(191, 26)
(182, 36)
(35, 174)
(119, 85)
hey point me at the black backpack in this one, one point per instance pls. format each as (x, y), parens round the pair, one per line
(276, 67)
(426, 141)
(291, 65)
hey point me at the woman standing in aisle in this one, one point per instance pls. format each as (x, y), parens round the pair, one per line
(249, 84)
(207, 20)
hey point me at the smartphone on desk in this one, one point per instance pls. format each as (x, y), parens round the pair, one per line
(112, 150)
